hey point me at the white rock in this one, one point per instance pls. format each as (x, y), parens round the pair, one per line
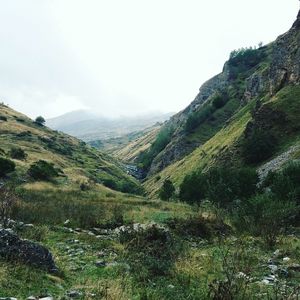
(276, 252)
(273, 268)
(286, 259)
(67, 222)
(171, 286)
(265, 281)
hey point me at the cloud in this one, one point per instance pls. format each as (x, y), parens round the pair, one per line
(123, 57)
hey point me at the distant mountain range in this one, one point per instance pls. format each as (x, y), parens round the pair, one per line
(89, 126)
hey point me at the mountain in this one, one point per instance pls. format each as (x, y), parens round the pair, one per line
(128, 147)
(91, 127)
(78, 162)
(258, 90)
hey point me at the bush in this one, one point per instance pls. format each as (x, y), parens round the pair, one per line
(220, 185)
(6, 166)
(259, 146)
(151, 251)
(265, 215)
(197, 118)
(226, 185)
(162, 140)
(40, 121)
(17, 153)
(198, 226)
(167, 190)
(42, 170)
(285, 183)
(3, 118)
(193, 189)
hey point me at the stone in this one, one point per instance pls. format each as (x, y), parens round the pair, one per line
(47, 298)
(294, 267)
(14, 248)
(286, 259)
(74, 294)
(31, 298)
(273, 268)
(8, 298)
(276, 252)
(67, 222)
(265, 281)
(100, 263)
(171, 286)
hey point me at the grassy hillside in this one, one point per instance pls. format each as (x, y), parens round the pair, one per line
(78, 162)
(225, 146)
(128, 147)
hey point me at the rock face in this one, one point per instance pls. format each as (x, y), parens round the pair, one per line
(12, 247)
(280, 66)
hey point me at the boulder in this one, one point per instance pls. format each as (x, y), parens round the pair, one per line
(14, 248)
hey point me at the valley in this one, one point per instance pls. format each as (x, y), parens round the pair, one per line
(203, 204)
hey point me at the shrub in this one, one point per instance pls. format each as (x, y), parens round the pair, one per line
(226, 185)
(197, 118)
(259, 146)
(17, 153)
(40, 121)
(193, 188)
(285, 183)
(198, 226)
(265, 215)
(3, 118)
(220, 185)
(151, 251)
(42, 170)
(6, 166)
(7, 202)
(167, 190)
(162, 140)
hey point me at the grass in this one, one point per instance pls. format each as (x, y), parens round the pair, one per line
(199, 265)
(224, 145)
(78, 161)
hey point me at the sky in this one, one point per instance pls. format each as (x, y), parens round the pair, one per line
(118, 57)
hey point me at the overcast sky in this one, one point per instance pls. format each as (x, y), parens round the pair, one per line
(124, 57)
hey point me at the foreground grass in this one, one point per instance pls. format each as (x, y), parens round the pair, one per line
(199, 270)
(190, 278)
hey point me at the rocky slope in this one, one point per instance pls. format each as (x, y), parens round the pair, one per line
(246, 76)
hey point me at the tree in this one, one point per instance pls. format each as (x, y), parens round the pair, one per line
(167, 190)
(17, 153)
(7, 201)
(40, 121)
(42, 170)
(6, 166)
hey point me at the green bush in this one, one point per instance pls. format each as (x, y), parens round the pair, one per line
(265, 215)
(198, 226)
(42, 170)
(259, 146)
(151, 252)
(244, 59)
(225, 185)
(220, 185)
(40, 121)
(167, 190)
(197, 118)
(17, 153)
(6, 166)
(285, 184)
(193, 189)
(162, 140)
